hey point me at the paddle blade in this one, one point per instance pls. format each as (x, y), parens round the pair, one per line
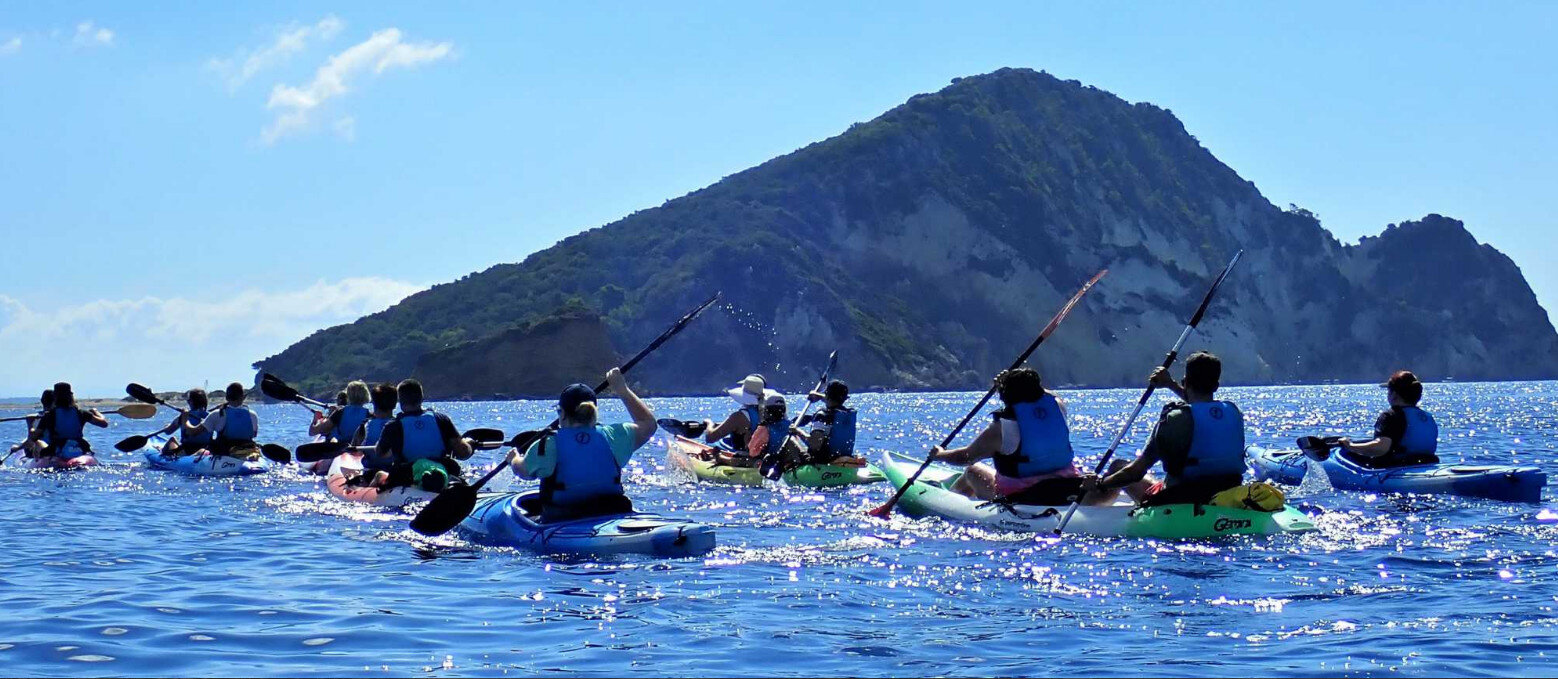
(882, 511)
(446, 511)
(276, 453)
(137, 411)
(273, 387)
(141, 393)
(323, 450)
(522, 440)
(132, 444)
(683, 427)
(1314, 448)
(485, 435)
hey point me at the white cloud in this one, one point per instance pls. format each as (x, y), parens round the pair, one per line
(89, 34)
(295, 106)
(11, 46)
(289, 41)
(175, 342)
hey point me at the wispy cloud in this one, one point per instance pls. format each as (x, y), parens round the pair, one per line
(296, 107)
(175, 340)
(288, 42)
(11, 46)
(89, 34)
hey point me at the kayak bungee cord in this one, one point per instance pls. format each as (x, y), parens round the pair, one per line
(1142, 402)
(886, 509)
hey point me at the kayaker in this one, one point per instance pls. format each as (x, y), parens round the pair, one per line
(1404, 435)
(193, 437)
(1199, 441)
(375, 468)
(45, 402)
(233, 426)
(1029, 444)
(771, 437)
(737, 427)
(65, 424)
(344, 420)
(580, 465)
(832, 435)
(423, 446)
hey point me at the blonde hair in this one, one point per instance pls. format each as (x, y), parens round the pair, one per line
(584, 415)
(357, 393)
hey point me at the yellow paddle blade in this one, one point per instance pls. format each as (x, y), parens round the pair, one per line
(137, 411)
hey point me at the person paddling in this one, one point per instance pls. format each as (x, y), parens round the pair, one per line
(1199, 441)
(1029, 444)
(737, 428)
(234, 426)
(580, 464)
(344, 419)
(45, 402)
(61, 431)
(422, 446)
(832, 435)
(771, 436)
(1404, 435)
(375, 469)
(193, 437)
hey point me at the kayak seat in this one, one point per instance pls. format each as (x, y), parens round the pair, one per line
(1418, 460)
(538, 511)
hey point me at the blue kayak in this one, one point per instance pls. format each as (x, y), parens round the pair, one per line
(201, 464)
(1507, 483)
(501, 520)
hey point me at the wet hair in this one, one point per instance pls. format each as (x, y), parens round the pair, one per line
(1019, 386)
(197, 399)
(385, 397)
(1406, 385)
(1203, 372)
(837, 391)
(410, 391)
(357, 393)
(234, 392)
(47, 399)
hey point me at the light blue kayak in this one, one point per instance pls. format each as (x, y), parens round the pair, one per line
(501, 520)
(1507, 483)
(202, 464)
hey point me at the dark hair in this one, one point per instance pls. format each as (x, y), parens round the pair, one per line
(1022, 385)
(197, 399)
(1203, 372)
(837, 391)
(1406, 385)
(47, 399)
(234, 392)
(409, 390)
(385, 397)
(340, 398)
(774, 413)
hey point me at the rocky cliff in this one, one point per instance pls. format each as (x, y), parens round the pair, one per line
(931, 243)
(533, 361)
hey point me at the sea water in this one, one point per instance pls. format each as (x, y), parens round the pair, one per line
(127, 571)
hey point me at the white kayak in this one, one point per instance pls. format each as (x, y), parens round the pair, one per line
(347, 466)
(199, 464)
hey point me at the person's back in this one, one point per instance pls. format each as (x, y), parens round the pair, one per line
(421, 446)
(580, 465)
(833, 433)
(62, 429)
(1404, 435)
(235, 426)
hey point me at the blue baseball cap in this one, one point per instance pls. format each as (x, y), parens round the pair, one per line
(573, 396)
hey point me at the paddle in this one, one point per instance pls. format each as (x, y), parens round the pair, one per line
(1317, 448)
(687, 428)
(1044, 334)
(1168, 360)
(135, 411)
(481, 439)
(272, 386)
(451, 506)
(770, 467)
(276, 453)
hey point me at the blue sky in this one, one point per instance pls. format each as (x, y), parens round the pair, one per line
(190, 187)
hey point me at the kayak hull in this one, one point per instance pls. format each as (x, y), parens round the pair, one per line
(201, 464)
(499, 520)
(697, 459)
(930, 495)
(343, 466)
(1505, 483)
(60, 464)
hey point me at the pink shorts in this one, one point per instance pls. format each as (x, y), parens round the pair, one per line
(1006, 485)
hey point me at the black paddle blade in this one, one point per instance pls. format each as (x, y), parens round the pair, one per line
(276, 453)
(273, 387)
(141, 393)
(485, 435)
(132, 444)
(683, 427)
(523, 439)
(1314, 448)
(323, 450)
(446, 511)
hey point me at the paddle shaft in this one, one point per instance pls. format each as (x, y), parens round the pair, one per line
(822, 381)
(1043, 335)
(1168, 361)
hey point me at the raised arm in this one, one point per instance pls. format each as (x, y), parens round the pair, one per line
(643, 417)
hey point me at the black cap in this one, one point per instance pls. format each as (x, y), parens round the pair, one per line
(573, 396)
(61, 388)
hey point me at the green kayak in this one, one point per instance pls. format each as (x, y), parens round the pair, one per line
(702, 462)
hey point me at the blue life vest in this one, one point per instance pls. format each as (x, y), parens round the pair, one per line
(351, 417)
(200, 440)
(240, 425)
(777, 433)
(373, 429)
(1216, 446)
(420, 438)
(1044, 443)
(841, 431)
(69, 425)
(1422, 433)
(586, 472)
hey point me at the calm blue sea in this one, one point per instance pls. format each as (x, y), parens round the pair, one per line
(126, 571)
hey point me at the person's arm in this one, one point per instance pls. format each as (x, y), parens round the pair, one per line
(324, 425)
(643, 418)
(1131, 473)
(726, 428)
(96, 418)
(1387, 429)
(176, 425)
(213, 422)
(1161, 378)
(984, 446)
(388, 448)
(534, 463)
(458, 447)
(1173, 429)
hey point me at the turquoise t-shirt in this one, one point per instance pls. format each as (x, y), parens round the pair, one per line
(623, 439)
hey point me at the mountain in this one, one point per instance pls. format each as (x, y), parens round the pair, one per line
(929, 245)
